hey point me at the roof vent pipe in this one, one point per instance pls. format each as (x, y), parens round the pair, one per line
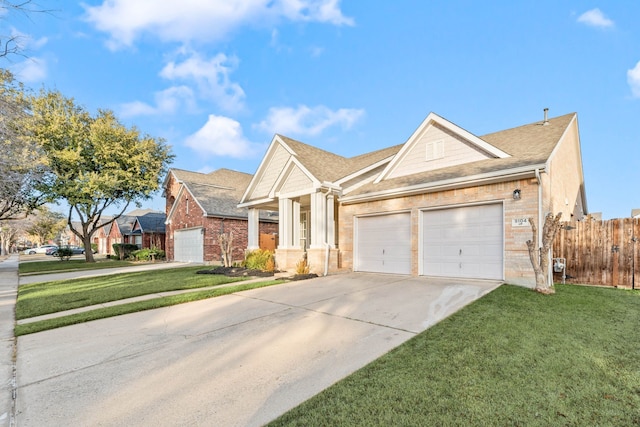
(546, 117)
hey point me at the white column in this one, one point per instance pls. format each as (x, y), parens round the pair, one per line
(331, 221)
(284, 223)
(295, 223)
(253, 229)
(318, 220)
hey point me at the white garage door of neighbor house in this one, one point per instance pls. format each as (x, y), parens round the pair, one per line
(188, 245)
(463, 242)
(383, 244)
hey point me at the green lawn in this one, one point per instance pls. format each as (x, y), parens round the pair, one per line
(57, 266)
(51, 297)
(513, 358)
(134, 307)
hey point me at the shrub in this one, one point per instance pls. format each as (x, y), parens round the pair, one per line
(123, 250)
(63, 253)
(148, 254)
(270, 265)
(257, 260)
(302, 267)
(94, 248)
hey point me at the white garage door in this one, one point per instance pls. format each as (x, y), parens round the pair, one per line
(463, 242)
(383, 244)
(188, 245)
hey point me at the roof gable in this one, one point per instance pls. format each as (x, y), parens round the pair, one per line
(437, 144)
(293, 178)
(530, 147)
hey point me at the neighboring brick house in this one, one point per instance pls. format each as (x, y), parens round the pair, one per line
(149, 230)
(101, 236)
(142, 227)
(200, 207)
(446, 203)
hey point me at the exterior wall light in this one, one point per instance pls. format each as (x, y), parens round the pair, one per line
(516, 194)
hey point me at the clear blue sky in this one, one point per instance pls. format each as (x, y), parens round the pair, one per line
(217, 79)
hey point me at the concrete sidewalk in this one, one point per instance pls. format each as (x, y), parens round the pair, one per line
(143, 298)
(8, 294)
(79, 274)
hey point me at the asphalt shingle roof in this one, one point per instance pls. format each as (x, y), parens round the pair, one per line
(528, 145)
(218, 192)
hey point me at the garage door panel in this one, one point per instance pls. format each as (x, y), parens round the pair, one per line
(188, 245)
(383, 244)
(463, 242)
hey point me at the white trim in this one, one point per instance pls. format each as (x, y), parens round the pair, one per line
(286, 171)
(364, 170)
(447, 184)
(276, 140)
(426, 123)
(295, 194)
(266, 200)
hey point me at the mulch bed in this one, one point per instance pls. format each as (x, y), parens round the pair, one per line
(237, 272)
(245, 272)
(303, 276)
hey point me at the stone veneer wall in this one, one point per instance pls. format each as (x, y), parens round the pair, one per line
(517, 266)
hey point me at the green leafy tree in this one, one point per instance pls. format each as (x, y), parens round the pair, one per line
(46, 224)
(22, 164)
(95, 162)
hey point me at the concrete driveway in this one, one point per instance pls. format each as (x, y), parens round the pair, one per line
(241, 359)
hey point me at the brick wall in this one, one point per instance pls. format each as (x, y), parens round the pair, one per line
(187, 214)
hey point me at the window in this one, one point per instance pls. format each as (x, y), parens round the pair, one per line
(435, 150)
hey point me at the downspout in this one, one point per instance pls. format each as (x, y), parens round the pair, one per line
(326, 258)
(540, 227)
(326, 244)
(539, 179)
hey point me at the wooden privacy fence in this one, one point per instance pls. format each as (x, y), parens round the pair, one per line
(600, 252)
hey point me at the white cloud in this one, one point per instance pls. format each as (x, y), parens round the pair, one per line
(633, 78)
(211, 77)
(316, 51)
(31, 70)
(222, 136)
(595, 18)
(205, 21)
(308, 121)
(167, 101)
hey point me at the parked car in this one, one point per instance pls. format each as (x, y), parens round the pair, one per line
(76, 250)
(39, 250)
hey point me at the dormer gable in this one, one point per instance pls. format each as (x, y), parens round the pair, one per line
(436, 144)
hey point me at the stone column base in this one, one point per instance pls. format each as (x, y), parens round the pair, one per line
(286, 260)
(317, 259)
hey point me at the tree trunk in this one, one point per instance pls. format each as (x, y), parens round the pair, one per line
(226, 248)
(539, 256)
(88, 253)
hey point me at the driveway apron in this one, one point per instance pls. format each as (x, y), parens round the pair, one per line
(236, 360)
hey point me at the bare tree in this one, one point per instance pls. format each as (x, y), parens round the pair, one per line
(539, 256)
(10, 44)
(8, 234)
(226, 248)
(22, 164)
